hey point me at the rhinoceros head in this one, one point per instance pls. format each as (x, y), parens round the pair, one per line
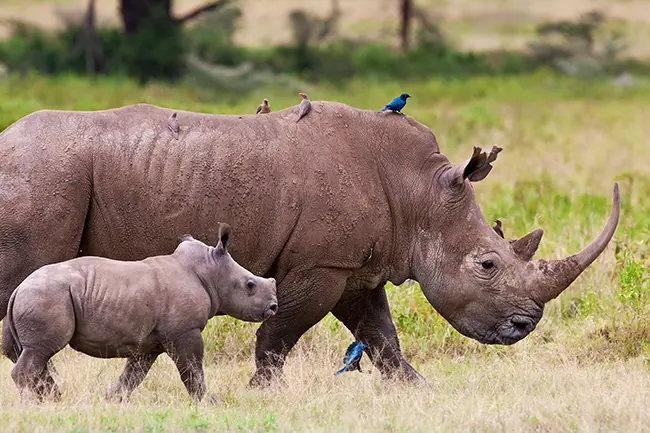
(487, 287)
(233, 289)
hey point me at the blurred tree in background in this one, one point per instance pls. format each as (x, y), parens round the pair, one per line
(153, 37)
(199, 45)
(136, 12)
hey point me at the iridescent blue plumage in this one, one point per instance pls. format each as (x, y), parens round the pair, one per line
(397, 104)
(352, 357)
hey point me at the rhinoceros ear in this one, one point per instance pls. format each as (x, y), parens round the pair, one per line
(225, 233)
(477, 167)
(186, 237)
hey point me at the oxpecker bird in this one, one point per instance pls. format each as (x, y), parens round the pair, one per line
(352, 358)
(304, 107)
(397, 104)
(172, 124)
(497, 228)
(264, 107)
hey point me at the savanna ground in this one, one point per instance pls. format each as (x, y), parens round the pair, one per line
(585, 367)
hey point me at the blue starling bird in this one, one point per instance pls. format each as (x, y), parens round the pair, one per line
(397, 104)
(352, 357)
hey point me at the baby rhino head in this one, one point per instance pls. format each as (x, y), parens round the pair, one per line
(233, 288)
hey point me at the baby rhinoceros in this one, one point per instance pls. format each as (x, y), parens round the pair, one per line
(136, 310)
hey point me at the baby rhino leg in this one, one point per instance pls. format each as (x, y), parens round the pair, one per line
(31, 373)
(187, 352)
(135, 370)
(43, 319)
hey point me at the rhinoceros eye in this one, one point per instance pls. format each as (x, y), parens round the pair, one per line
(487, 264)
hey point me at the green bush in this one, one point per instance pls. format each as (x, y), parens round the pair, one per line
(159, 49)
(155, 52)
(211, 40)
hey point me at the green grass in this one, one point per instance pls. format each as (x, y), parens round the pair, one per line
(585, 367)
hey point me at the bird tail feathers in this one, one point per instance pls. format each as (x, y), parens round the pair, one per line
(343, 370)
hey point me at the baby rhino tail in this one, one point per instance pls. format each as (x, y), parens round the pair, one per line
(10, 344)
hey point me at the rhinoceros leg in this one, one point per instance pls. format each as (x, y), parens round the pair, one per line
(39, 226)
(187, 353)
(44, 321)
(135, 370)
(304, 298)
(31, 373)
(368, 317)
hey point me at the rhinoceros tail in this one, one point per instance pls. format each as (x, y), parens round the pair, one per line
(11, 346)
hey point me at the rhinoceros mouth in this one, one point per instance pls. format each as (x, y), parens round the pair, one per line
(511, 330)
(270, 311)
(514, 329)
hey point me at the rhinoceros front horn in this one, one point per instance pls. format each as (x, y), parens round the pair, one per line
(550, 278)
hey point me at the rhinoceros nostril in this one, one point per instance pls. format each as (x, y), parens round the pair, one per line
(273, 308)
(521, 325)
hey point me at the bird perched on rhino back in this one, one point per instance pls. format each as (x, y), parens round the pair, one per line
(173, 125)
(397, 103)
(352, 358)
(304, 108)
(498, 228)
(264, 107)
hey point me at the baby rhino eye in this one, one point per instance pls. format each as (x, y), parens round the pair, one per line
(487, 264)
(250, 285)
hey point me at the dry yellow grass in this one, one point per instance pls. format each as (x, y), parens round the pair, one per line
(526, 389)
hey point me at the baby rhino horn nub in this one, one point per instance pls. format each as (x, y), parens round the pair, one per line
(550, 278)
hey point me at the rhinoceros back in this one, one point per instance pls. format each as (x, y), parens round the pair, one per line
(265, 175)
(116, 183)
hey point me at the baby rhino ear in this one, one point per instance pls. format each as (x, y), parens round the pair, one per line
(186, 237)
(225, 233)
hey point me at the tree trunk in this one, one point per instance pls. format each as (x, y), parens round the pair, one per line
(405, 19)
(91, 44)
(134, 12)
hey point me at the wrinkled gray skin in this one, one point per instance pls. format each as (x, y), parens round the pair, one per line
(136, 310)
(332, 207)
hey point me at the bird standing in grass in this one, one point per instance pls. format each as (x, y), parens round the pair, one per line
(397, 104)
(352, 357)
(173, 125)
(305, 106)
(264, 107)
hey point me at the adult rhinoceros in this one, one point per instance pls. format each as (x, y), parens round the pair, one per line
(332, 207)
